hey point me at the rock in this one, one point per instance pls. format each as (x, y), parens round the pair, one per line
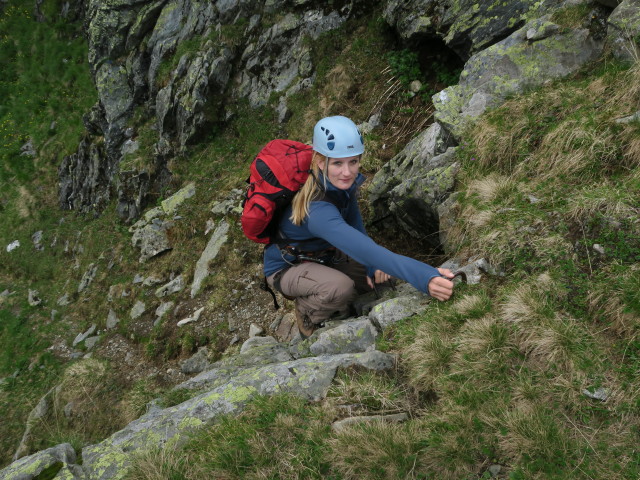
(601, 394)
(137, 310)
(192, 318)
(37, 414)
(36, 238)
(391, 311)
(623, 30)
(13, 245)
(171, 204)
(229, 205)
(197, 363)
(28, 150)
(286, 328)
(152, 239)
(64, 300)
(234, 340)
(85, 178)
(82, 336)
(345, 423)
(88, 277)
(494, 470)
(509, 67)
(415, 86)
(347, 337)
(599, 248)
(112, 320)
(174, 286)
(33, 298)
(370, 125)
(152, 280)
(255, 341)
(27, 468)
(91, 342)
(631, 118)
(408, 190)
(163, 308)
(211, 251)
(255, 330)
(138, 279)
(308, 378)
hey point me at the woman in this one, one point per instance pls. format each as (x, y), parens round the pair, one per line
(325, 258)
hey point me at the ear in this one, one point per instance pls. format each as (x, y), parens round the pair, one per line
(321, 164)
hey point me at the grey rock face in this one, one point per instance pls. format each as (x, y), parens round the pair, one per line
(345, 423)
(85, 178)
(197, 363)
(408, 190)
(137, 310)
(34, 298)
(465, 26)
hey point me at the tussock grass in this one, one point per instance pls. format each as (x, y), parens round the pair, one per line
(377, 451)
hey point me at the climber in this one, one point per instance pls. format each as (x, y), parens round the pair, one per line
(324, 258)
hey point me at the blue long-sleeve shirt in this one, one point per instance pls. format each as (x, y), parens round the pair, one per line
(339, 224)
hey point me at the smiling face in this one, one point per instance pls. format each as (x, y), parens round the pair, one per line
(341, 172)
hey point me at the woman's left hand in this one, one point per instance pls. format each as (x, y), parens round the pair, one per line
(378, 277)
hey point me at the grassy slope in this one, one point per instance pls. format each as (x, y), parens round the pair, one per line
(496, 376)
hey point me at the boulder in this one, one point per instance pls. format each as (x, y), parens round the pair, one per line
(623, 31)
(346, 337)
(512, 66)
(391, 311)
(30, 467)
(309, 378)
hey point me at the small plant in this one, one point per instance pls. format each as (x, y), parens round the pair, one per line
(405, 66)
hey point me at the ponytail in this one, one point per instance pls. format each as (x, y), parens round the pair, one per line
(310, 191)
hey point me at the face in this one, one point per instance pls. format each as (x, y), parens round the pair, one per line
(342, 172)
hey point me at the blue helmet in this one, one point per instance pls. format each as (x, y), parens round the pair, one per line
(337, 137)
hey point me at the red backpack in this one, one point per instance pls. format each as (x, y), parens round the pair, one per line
(277, 173)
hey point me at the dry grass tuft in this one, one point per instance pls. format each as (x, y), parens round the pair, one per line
(468, 304)
(609, 303)
(26, 202)
(367, 392)
(492, 186)
(533, 431)
(527, 302)
(377, 450)
(573, 149)
(429, 356)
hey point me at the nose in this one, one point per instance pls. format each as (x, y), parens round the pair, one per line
(346, 169)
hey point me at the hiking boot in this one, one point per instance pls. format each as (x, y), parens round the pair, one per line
(305, 326)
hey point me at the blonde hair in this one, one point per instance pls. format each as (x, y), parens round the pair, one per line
(311, 190)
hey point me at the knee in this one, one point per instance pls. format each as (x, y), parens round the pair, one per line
(341, 290)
